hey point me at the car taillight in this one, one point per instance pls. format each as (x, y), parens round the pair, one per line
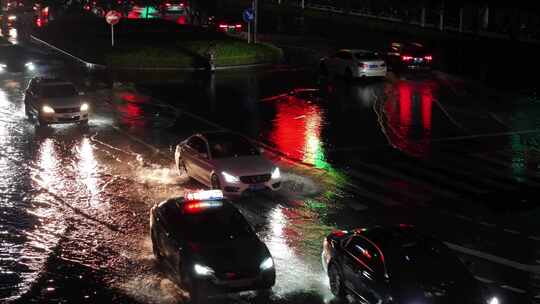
(223, 26)
(406, 58)
(363, 65)
(238, 26)
(428, 57)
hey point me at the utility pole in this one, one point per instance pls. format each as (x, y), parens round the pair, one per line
(256, 10)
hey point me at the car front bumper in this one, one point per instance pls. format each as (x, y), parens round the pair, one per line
(215, 286)
(58, 118)
(240, 187)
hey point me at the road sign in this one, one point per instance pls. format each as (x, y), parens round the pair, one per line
(248, 15)
(113, 17)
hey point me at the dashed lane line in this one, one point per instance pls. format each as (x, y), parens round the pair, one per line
(486, 224)
(514, 289)
(511, 231)
(484, 280)
(534, 238)
(495, 259)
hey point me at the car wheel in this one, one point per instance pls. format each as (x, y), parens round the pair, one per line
(348, 75)
(324, 69)
(155, 248)
(336, 281)
(215, 182)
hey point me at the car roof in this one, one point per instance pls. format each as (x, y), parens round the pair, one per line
(390, 238)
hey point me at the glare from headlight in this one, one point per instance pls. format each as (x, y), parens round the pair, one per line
(3, 65)
(267, 264)
(203, 270)
(493, 300)
(276, 174)
(30, 66)
(84, 107)
(230, 178)
(12, 17)
(47, 110)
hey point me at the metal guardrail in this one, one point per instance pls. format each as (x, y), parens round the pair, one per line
(89, 65)
(452, 27)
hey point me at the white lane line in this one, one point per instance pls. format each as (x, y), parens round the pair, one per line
(498, 134)
(484, 280)
(486, 224)
(511, 231)
(463, 217)
(534, 238)
(494, 258)
(514, 289)
(537, 296)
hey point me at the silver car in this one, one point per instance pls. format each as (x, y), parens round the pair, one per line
(55, 101)
(226, 161)
(354, 64)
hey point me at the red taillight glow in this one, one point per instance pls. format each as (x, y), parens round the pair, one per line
(222, 26)
(406, 58)
(363, 65)
(338, 233)
(196, 207)
(428, 57)
(167, 4)
(238, 26)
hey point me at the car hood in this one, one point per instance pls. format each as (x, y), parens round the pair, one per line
(244, 165)
(242, 255)
(69, 102)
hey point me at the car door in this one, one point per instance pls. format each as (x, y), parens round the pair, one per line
(191, 154)
(370, 278)
(199, 160)
(170, 241)
(350, 264)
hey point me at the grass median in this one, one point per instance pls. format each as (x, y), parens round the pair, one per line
(151, 44)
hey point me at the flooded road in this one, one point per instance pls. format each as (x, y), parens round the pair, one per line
(409, 148)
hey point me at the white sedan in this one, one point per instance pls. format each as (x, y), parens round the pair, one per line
(354, 64)
(226, 161)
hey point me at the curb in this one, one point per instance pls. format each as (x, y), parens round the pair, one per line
(90, 65)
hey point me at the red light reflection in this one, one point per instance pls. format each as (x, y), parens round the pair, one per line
(406, 118)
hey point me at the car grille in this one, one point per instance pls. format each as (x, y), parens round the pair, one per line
(255, 179)
(67, 110)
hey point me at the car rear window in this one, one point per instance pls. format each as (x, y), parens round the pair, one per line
(367, 56)
(58, 91)
(217, 224)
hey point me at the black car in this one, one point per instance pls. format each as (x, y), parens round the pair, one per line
(409, 55)
(208, 246)
(395, 264)
(14, 58)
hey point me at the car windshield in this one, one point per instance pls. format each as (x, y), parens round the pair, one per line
(228, 145)
(58, 91)
(213, 225)
(367, 56)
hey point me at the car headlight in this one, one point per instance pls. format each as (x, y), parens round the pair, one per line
(30, 65)
(276, 174)
(12, 17)
(267, 264)
(493, 300)
(47, 110)
(84, 107)
(203, 270)
(3, 65)
(230, 178)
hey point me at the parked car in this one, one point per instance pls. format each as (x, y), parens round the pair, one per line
(409, 55)
(52, 100)
(226, 161)
(396, 264)
(354, 64)
(224, 24)
(208, 246)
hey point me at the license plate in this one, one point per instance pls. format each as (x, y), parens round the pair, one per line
(373, 66)
(257, 187)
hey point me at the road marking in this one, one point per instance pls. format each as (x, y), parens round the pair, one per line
(514, 289)
(484, 280)
(495, 259)
(534, 238)
(537, 296)
(498, 134)
(488, 224)
(511, 231)
(463, 217)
